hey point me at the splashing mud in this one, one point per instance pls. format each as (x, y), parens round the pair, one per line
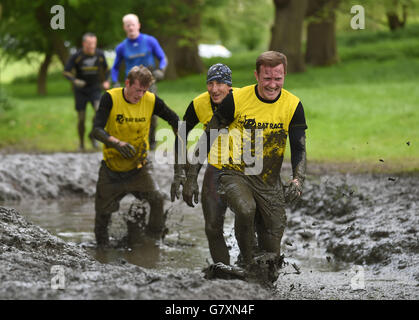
(342, 222)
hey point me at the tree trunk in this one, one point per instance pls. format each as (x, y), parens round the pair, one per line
(321, 33)
(188, 60)
(60, 49)
(287, 31)
(42, 74)
(55, 45)
(54, 36)
(394, 22)
(182, 60)
(170, 49)
(179, 36)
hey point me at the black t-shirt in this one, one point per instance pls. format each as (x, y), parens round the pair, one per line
(92, 69)
(225, 115)
(227, 108)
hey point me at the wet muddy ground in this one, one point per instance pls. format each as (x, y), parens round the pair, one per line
(352, 236)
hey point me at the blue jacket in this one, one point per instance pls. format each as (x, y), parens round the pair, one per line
(135, 52)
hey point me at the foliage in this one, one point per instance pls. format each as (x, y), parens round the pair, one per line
(22, 31)
(5, 104)
(379, 45)
(357, 111)
(375, 13)
(238, 24)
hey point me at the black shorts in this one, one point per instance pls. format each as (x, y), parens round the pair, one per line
(83, 96)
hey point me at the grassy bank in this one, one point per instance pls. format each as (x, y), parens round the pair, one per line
(362, 110)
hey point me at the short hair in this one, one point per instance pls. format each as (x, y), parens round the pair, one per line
(271, 59)
(142, 74)
(130, 16)
(88, 35)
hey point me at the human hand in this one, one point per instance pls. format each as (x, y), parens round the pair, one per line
(124, 148)
(79, 83)
(293, 191)
(158, 74)
(191, 190)
(179, 179)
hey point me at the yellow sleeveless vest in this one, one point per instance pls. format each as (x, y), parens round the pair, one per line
(272, 118)
(219, 150)
(130, 123)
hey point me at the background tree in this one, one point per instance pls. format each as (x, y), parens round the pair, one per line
(25, 28)
(321, 46)
(396, 12)
(238, 24)
(178, 35)
(393, 14)
(287, 31)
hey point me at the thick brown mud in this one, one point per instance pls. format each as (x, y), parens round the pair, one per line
(350, 237)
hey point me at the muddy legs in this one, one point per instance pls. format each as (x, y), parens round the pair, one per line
(156, 221)
(214, 212)
(254, 207)
(240, 199)
(81, 117)
(101, 229)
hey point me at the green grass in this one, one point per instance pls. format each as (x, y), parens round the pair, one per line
(361, 110)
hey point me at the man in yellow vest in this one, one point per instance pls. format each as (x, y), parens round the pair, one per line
(122, 123)
(201, 110)
(259, 119)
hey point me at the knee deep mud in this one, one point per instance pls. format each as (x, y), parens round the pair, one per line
(346, 228)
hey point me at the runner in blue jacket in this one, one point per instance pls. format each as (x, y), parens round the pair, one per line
(139, 49)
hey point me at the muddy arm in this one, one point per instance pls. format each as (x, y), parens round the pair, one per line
(205, 142)
(104, 137)
(298, 154)
(190, 191)
(297, 139)
(99, 133)
(163, 111)
(101, 119)
(190, 119)
(221, 119)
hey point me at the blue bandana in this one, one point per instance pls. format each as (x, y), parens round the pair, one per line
(219, 72)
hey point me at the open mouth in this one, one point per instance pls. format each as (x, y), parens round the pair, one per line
(271, 92)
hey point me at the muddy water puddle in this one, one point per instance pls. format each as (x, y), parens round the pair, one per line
(184, 247)
(72, 220)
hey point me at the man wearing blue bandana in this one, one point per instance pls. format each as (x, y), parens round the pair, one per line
(201, 110)
(139, 49)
